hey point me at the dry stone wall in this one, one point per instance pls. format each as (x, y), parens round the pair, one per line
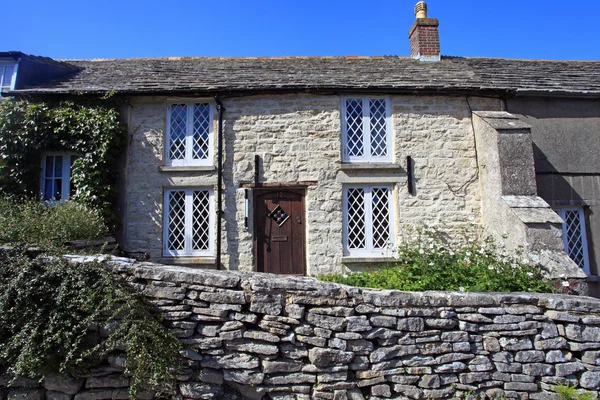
(251, 335)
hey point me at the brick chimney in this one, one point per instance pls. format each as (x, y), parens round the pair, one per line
(424, 36)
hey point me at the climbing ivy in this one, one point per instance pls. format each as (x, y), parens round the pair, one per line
(88, 127)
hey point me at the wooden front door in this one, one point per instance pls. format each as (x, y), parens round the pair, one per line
(280, 228)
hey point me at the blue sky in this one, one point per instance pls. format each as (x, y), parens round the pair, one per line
(532, 29)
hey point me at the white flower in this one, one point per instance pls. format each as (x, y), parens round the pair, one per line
(491, 267)
(431, 264)
(565, 283)
(530, 274)
(468, 254)
(431, 246)
(462, 289)
(451, 252)
(421, 251)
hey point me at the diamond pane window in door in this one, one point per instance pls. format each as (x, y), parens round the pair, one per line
(178, 128)
(356, 218)
(201, 131)
(176, 221)
(201, 220)
(381, 217)
(378, 124)
(279, 216)
(354, 127)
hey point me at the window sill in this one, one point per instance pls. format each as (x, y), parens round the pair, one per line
(192, 261)
(187, 168)
(346, 166)
(368, 259)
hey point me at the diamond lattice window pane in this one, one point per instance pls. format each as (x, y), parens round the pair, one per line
(381, 217)
(354, 127)
(279, 216)
(356, 218)
(201, 220)
(201, 131)
(176, 223)
(377, 115)
(177, 131)
(574, 236)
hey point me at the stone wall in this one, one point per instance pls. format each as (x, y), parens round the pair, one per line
(298, 138)
(256, 336)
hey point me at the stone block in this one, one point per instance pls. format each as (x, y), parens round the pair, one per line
(411, 324)
(337, 324)
(329, 357)
(64, 384)
(266, 303)
(358, 324)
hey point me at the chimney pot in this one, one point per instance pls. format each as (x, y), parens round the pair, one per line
(421, 9)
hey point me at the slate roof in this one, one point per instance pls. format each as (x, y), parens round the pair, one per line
(197, 76)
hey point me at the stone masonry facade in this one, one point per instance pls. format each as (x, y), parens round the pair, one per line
(262, 336)
(299, 140)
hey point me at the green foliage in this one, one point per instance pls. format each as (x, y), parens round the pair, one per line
(32, 223)
(429, 263)
(52, 314)
(567, 392)
(90, 128)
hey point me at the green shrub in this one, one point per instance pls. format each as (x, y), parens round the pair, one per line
(32, 223)
(430, 263)
(567, 392)
(52, 313)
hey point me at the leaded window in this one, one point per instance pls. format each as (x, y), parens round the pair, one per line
(188, 222)
(189, 134)
(574, 236)
(367, 130)
(368, 220)
(55, 179)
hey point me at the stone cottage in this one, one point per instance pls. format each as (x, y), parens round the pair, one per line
(312, 165)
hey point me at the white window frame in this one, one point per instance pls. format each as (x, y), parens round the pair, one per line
(369, 251)
(189, 135)
(188, 223)
(366, 121)
(561, 211)
(66, 175)
(13, 79)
